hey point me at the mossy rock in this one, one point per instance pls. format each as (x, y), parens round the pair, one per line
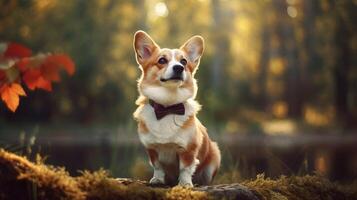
(22, 179)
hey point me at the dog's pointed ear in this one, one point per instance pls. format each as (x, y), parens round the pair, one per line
(194, 48)
(144, 46)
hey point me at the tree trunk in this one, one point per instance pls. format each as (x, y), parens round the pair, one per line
(220, 41)
(292, 86)
(342, 69)
(308, 50)
(341, 72)
(263, 63)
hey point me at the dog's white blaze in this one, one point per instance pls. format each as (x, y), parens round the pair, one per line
(168, 129)
(170, 68)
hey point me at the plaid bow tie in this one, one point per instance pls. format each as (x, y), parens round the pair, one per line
(161, 111)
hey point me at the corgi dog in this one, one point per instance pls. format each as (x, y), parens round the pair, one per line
(178, 146)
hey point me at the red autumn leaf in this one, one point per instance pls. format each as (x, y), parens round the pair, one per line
(15, 50)
(50, 65)
(33, 79)
(44, 84)
(31, 62)
(36, 71)
(2, 76)
(30, 78)
(10, 95)
(50, 70)
(62, 61)
(23, 64)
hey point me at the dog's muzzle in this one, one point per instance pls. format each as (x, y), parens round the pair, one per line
(177, 74)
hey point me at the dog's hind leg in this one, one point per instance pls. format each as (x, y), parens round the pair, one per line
(210, 167)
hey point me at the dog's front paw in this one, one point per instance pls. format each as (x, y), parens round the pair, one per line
(185, 183)
(156, 181)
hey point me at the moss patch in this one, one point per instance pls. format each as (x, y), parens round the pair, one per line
(22, 179)
(296, 188)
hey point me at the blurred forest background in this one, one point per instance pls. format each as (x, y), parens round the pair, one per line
(277, 81)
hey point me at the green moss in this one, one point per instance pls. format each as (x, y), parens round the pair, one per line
(294, 187)
(99, 185)
(22, 179)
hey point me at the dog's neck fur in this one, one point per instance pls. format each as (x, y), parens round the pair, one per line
(166, 96)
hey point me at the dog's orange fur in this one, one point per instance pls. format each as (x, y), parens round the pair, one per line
(190, 141)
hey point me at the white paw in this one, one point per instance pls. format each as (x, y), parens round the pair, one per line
(155, 180)
(185, 183)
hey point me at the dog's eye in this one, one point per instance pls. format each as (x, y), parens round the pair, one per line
(183, 61)
(162, 61)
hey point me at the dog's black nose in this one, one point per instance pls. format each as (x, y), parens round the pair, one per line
(178, 69)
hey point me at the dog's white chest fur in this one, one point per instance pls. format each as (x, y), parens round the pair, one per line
(167, 130)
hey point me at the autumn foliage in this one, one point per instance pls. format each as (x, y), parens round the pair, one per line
(18, 67)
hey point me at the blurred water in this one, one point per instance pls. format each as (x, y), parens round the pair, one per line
(333, 155)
